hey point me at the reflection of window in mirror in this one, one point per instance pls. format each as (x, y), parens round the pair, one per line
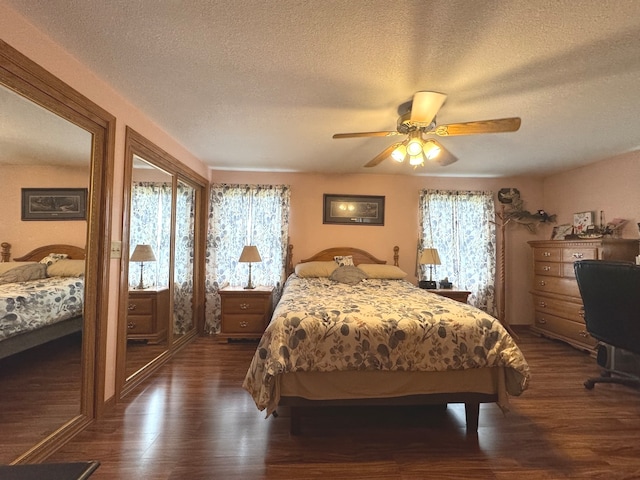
(183, 262)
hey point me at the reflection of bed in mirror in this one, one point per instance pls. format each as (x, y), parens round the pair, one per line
(41, 296)
(338, 340)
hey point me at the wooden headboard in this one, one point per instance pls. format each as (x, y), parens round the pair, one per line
(359, 256)
(37, 254)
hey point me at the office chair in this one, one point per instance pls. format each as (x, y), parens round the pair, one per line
(611, 297)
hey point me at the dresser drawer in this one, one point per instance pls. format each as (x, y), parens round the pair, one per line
(547, 254)
(245, 304)
(243, 323)
(556, 285)
(565, 329)
(561, 308)
(139, 324)
(548, 268)
(140, 306)
(572, 254)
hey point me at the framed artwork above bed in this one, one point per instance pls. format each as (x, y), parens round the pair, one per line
(54, 203)
(353, 209)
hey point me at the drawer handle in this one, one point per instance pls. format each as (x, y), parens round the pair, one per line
(546, 254)
(546, 268)
(131, 325)
(584, 334)
(542, 321)
(541, 283)
(542, 304)
(578, 255)
(132, 307)
(244, 306)
(244, 324)
(581, 312)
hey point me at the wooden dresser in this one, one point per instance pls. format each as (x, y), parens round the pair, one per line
(556, 297)
(245, 312)
(148, 314)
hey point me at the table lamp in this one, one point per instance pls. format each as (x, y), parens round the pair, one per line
(429, 257)
(249, 255)
(142, 253)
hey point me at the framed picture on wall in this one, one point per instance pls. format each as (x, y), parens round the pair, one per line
(54, 203)
(353, 209)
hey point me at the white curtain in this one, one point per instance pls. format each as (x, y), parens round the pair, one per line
(242, 215)
(461, 226)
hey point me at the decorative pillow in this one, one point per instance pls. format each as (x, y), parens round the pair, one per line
(66, 268)
(6, 266)
(24, 273)
(377, 270)
(344, 261)
(315, 269)
(53, 258)
(348, 274)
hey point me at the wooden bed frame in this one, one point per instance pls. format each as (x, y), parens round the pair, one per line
(300, 406)
(25, 341)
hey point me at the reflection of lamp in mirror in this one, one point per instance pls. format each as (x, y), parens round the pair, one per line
(142, 253)
(430, 257)
(249, 255)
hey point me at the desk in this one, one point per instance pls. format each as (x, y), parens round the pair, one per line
(49, 471)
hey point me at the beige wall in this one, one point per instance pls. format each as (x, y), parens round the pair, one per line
(308, 234)
(24, 236)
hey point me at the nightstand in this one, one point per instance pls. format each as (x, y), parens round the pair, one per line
(459, 295)
(245, 312)
(148, 314)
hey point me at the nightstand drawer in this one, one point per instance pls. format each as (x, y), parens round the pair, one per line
(245, 304)
(243, 323)
(139, 324)
(140, 306)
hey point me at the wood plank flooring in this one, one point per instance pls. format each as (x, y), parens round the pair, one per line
(193, 421)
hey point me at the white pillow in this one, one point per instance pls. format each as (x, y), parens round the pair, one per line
(344, 260)
(66, 268)
(315, 269)
(53, 258)
(379, 270)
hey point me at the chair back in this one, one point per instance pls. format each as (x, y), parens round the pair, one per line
(611, 297)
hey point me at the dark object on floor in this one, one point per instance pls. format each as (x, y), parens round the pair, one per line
(611, 297)
(49, 471)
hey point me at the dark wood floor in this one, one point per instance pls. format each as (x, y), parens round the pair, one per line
(194, 421)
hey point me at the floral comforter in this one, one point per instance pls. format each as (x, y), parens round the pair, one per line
(27, 306)
(322, 325)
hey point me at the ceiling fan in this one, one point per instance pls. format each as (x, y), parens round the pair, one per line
(419, 122)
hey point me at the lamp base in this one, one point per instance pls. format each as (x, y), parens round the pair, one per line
(427, 284)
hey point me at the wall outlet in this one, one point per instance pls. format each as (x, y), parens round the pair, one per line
(116, 249)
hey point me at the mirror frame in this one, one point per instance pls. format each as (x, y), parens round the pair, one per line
(23, 76)
(136, 144)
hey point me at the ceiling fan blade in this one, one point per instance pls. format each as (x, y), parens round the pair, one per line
(382, 155)
(445, 157)
(365, 134)
(484, 126)
(425, 106)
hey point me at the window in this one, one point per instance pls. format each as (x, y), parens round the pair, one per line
(242, 215)
(461, 226)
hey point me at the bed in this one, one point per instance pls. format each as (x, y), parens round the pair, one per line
(41, 296)
(378, 341)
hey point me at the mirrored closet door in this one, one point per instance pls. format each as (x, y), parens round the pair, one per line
(161, 234)
(52, 137)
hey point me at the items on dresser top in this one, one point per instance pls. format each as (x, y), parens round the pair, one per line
(557, 302)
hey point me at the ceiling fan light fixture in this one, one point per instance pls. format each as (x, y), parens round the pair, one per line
(416, 160)
(399, 153)
(431, 150)
(414, 145)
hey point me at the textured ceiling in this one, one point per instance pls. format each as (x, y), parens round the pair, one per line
(263, 85)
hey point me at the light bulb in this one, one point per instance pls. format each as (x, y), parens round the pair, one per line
(431, 150)
(414, 147)
(416, 160)
(399, 153)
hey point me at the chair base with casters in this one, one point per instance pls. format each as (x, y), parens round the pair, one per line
(618, 367)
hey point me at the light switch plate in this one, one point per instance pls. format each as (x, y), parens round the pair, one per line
(116, 249)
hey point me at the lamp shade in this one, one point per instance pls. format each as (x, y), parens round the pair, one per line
(250, 254)
(430, 257)
(143, 253)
